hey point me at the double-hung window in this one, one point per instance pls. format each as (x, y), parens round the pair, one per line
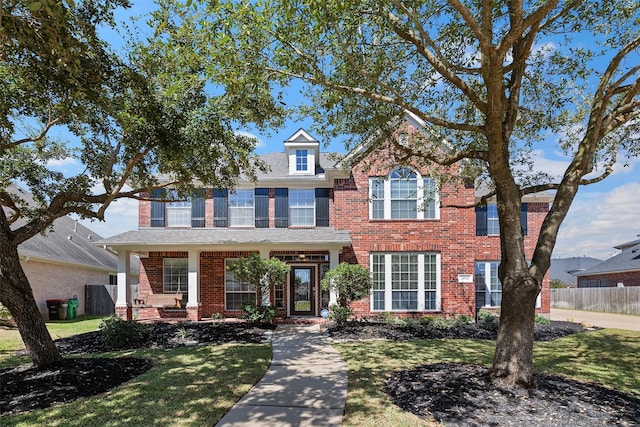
(493, 225)
(241, 208)
(237, 292)
(178, 212)
(404, 194)
(488, 286)
(405, 281)
(175, 275)
(302, 208)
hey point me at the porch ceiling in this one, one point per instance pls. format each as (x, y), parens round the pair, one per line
(228, 238)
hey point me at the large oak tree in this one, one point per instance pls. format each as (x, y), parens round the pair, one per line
(126, 119)
(494, 78)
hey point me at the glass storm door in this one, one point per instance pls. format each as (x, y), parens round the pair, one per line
(302, 291)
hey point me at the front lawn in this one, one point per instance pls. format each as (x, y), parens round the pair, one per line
(187, 386)
(608, 357)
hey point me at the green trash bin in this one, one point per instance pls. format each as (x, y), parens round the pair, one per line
(72, 309)
(62, 312)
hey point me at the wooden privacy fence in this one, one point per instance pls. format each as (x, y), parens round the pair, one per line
(606, 300)
(101, 299)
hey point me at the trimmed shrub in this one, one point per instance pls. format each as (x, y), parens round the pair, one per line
(118, 334)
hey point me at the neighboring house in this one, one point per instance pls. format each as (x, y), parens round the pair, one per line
(620, 270)
(63, 259)
(313, 213)
(565, 269)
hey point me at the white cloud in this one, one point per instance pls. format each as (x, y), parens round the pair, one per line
(599, 221)
(120, 216)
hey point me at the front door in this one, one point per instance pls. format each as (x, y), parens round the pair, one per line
(302, 291)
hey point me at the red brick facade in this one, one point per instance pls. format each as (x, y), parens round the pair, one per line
(610, 280)
(451, 235)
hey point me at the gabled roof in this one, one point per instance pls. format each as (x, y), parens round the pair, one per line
(71, 243)
(67, 242)
(628, 260)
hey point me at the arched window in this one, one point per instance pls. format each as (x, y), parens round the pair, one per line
(403, 194)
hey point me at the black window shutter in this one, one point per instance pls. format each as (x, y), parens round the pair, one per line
(197, 208)
(220, 208)
(322, 207)
(523, 218)
(262, 207)
(481, 221)
(157, 209)
(282, 207)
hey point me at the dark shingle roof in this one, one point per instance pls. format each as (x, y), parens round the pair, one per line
(628, 260)
(67, 242)
(228, 236)
(71, 243)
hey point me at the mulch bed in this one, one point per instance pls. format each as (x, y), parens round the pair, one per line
(25, 388)
(458, 394)
(452, 393)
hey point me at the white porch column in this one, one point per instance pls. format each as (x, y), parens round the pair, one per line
(266, 298)
(192, 279)
(123, 299)
(334, 258)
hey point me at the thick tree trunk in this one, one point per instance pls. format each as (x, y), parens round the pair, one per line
(513, 359)
(17, 296)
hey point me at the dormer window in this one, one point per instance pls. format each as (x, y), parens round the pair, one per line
(303, 153)
(302, 163)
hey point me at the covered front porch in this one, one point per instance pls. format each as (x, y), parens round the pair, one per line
(200, 257)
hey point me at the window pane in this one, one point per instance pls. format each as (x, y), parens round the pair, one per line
(175, 275)
(404, 300)
(429, 202)
(377, 198)
(237, 292)
(493, 226)
(301, 160)
(302, 207)
(404, 194)
(178, 216)
(241, 208)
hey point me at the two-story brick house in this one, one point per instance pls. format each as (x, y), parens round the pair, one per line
(313, 212)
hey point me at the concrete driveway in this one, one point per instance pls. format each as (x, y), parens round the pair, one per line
(603, 320)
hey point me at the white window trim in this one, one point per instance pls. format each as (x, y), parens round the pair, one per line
(487, 284)
(387, 200)
(234, 209)
(180, 285)
(313, 216)
(226, 261)
(388, 290)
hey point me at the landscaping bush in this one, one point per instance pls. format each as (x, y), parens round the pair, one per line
(339, 314)
(541, 320)
(118, 334)
(487, 320)
(258, 313)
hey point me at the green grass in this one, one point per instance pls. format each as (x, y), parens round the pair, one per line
(10, 340)
(197, 385)
(188, 386)
(608, 357)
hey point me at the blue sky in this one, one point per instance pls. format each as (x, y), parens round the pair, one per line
(602, 215)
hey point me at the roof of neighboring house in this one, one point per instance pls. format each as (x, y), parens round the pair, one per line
(228, 236)
(564, 269)
(66, 242)
(71, 243)
(627, 260)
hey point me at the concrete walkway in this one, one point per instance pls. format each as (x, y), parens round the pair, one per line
(593, 318)
(306, 384)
